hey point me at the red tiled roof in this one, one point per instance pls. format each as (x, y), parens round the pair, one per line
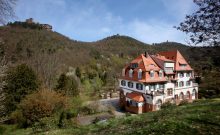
(147, 80)
(160, 60)
(146, 64)
(149, 63)
(178, 58)
(135, 96)
(155, 63)
(163, 58)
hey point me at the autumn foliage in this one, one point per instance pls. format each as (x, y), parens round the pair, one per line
(42, 103)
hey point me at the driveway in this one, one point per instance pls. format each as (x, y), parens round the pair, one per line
(113, 102)
(106, 103)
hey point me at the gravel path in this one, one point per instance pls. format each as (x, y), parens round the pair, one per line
(112, 102)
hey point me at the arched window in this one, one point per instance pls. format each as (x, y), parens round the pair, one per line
(193, 92)
(130, 73)
(123, 83)
(151, 73)
(169, 92)
(176, 84)
(181, 96)
(130, 84)
(158, 104)
(139, 74)
(181, 84)
(139, 86)
(160, 73)
(187, 95)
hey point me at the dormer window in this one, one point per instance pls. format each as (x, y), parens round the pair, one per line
(160, 73)
(130, 73)
(134, 65)
(139, 74)
(152, 65)
(182, 65)
(151, 73)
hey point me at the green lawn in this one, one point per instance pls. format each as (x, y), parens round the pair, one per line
(201, 117)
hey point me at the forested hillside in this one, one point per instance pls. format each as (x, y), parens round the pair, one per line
(51, 54)
(48, 78)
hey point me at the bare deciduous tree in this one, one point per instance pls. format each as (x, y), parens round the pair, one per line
(46, 66)
(203, 25)
(3, 68)
(6, 10)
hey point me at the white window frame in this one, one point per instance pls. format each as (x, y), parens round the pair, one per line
(139, 74)
(181, 84)
(139, 85)
(122, 83)
(160, 73)
(151, 74)
(130, 84)
(181, 74)
(130, 73)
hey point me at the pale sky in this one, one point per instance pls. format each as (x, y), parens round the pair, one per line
(150, 21)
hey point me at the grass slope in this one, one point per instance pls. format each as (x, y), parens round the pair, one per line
(201, 117)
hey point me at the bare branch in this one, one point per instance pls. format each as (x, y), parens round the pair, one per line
(6, 10)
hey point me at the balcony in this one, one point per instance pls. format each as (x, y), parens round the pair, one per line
(158, 92)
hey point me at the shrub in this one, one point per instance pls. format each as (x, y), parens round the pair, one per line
(88, 110)
(18, 118)
(44, 124)
(42, 103)
(62, 82)
(2, 130)
(67, 85)
(183, 102)
(72, 87)
(127, 114)
(78, 72)
(20, 81)
(62, 118)
(167, 105)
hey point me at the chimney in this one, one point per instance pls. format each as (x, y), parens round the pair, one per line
(145, 54)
